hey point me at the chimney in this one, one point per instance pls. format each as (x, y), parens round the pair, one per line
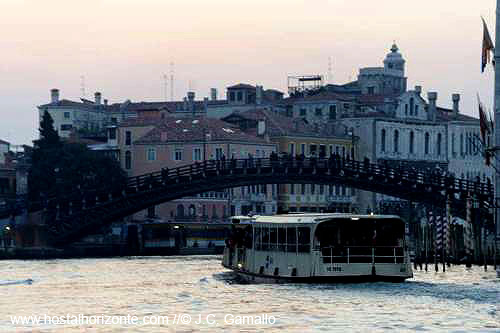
(97, 97)
(258, 94)
(190, 96)
(261, 127)
(456, 103)
(418, 89)
(54, 95)
(213, 94)
(432, 111)
(106, 102)
(205, 103)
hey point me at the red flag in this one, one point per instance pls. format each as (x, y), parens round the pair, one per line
(483, 121)
(487, 47)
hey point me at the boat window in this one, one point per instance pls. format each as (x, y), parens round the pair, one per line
(273, 238)
(257, 240)
(304, 239)
(265, 238)
(291, 239)
(282, 239)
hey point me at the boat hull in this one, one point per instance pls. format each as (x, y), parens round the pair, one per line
(250, 277)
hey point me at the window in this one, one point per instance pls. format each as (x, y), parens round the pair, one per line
(303, 189)
(330, 189)
(303, 149)
(239, 96)
(438, 144)
(231, 95)
(178, 154)
(382, 140)
(128, 138)
(151, 154)
(66, 127)
(318, 112)
(371, 90)
(416, 110)
(322, 151)
(461, 144)
(112, 133)
(333, 112)
(292, 189)
(412, 142)
(396, 141)
(321, 189)
(67, 115)
(412, 105)
(313, 150)
(426, 143)
(291, 148)
(196, 154)
(453, 151)
(303, 112)
(291, 239)
(304, 239)
(406, 109)
(218, 153)
(313, 188)
(128, 160)
(346, 106)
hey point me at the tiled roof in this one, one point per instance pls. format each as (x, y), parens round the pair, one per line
(279, 125)
(323, 96)
(139, 122)
(448, 115)
(185, 130)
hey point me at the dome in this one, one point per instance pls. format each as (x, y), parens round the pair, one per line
(394, 59)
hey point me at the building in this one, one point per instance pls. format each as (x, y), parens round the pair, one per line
(148, 145)
(4, 149)
(86, 117)
(297, 137)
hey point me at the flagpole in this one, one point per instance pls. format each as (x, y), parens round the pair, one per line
(497, 128)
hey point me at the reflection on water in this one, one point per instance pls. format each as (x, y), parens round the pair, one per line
(455, 301)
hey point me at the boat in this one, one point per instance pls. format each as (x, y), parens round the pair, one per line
(317, 248)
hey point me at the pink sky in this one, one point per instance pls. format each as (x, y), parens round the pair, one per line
(123, 47)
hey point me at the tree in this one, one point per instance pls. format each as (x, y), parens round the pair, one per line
(59, 168)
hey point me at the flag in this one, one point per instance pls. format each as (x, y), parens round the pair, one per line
(484, 126)
(487, 47)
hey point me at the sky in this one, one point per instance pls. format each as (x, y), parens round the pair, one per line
(124, 47)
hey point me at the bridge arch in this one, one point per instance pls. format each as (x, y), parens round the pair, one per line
(71, 219)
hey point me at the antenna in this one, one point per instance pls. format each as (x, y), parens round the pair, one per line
(165, 87)
(82, 86)
(172, 81)
(330, 77)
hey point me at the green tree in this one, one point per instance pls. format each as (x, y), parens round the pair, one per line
(60, 167)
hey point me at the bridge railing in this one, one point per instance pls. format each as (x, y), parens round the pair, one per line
(335, 164)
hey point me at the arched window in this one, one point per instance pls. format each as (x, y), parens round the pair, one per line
(192, 210)
(461, 143)
(128, 160)
(180, 210)
(427, 141)
(396, 141)
(412, 105)
(438, 144)
(406, 109)
(412, 142)
(382, 140)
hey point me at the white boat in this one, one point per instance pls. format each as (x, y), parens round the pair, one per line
(318, 248)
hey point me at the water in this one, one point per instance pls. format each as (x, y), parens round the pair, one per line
(455, 301)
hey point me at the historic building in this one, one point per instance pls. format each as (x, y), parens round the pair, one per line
(150, 144)
(297, 137)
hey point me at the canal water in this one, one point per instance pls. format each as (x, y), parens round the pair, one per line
(185, 289)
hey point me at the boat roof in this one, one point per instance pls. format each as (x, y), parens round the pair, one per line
(314, 218)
